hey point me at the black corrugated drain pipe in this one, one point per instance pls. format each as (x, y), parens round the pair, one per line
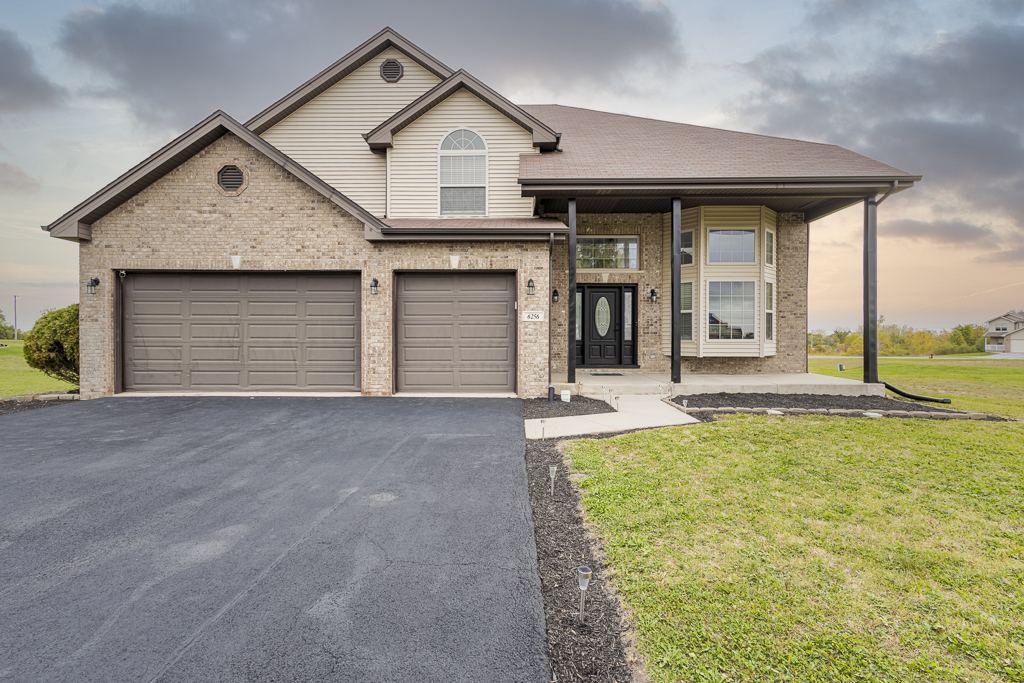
(916, 397)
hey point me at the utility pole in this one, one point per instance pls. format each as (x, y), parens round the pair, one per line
(16, 297)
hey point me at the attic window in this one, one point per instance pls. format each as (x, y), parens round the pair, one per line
(232, 180)
(391, 70)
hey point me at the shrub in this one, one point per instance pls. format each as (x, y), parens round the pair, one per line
(52, 345)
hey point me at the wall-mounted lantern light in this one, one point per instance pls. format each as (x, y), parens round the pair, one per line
(531, 289)
(373, 286)
(654, 296)
(554, 295)
(90, 286)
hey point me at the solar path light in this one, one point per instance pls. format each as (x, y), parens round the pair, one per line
(552, 470)
(583, 575)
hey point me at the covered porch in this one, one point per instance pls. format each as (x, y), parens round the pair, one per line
(603, 384)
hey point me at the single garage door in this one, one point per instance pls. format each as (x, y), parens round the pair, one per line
(455, 332)
(240, 332)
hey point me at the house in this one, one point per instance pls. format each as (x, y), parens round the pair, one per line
(1006, 333)
(394, 225)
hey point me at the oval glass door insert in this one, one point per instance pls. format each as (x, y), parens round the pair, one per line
(602, 316)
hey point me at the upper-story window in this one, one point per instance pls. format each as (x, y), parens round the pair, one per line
(732, 246)
(462, 165)
(1001, 327)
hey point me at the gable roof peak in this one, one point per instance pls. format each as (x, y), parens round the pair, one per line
(382, 40)
(382, 136)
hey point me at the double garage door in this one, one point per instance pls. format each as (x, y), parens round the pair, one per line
(280, 332)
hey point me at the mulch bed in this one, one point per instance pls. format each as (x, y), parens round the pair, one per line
(579, 405)
(9, 407)
(726, 400)
(596, 650)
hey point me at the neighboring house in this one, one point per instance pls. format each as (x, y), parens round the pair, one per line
(1006, 333)
(394, 225)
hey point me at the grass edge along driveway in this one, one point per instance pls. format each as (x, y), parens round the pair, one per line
(18, 379)
(815, 548)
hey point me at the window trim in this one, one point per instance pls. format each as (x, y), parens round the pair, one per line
(769, 324)
(717, 264)
(487, 173)
(758, 306)
(693, 246)
(639, 251)
(768, 254)
(692, 311)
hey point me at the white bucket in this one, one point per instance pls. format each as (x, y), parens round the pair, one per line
(565, 395)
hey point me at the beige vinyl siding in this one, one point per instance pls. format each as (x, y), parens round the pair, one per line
(689, 220)
(414, 158)
(326, 135)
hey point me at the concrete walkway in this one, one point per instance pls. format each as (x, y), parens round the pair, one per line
(635, 412)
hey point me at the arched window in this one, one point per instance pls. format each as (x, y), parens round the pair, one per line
(462, 167)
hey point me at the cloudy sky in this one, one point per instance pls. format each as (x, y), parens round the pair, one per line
(88, 89)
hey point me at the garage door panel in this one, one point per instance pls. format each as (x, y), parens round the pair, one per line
(156, 353)
(333, 354)
(484, 379)
(330, 331)
(267, 309)
(241, 331)
(156, 309)
(158, 331)
(269, 353)
(484, 309)
(216, 353)
(473, 331)
(484, 354)
(211, 331)
(329, 309)
(220, 309)
(455, 332)
(257, 332)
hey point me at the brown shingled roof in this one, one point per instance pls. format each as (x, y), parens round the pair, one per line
(601, 145)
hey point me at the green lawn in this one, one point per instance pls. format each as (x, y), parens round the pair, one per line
(988, 386)
(816, 549)
(18, 379)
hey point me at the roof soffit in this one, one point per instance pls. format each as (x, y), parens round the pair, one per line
(382, 136)
(387, 38)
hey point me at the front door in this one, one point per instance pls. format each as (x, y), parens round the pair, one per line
(602, 341)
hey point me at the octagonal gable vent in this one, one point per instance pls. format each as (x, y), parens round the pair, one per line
(391, 70)
(230, 178)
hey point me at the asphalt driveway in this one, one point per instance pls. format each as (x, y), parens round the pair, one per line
(268, 539)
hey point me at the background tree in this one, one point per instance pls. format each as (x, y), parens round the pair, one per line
(6, 331)
(52, 345)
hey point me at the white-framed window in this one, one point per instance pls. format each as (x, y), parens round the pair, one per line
(1000, 327)
(732, 307)
(462, 174)
(998, 341)
(686, 311)
(769, 311)
(686, 251)
(769, 248)
(608, 252)
(732, 246)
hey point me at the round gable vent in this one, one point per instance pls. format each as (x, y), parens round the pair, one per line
(230, 178)
(391, 70)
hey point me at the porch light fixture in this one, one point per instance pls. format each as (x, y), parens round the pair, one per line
(583, 575)
(654, 296)
(373, 286)
(531, 289)
(554, 295)
(90, 286)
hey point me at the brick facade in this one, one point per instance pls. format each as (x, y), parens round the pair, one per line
(648, 226)
(183, 222)
(791, 305)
